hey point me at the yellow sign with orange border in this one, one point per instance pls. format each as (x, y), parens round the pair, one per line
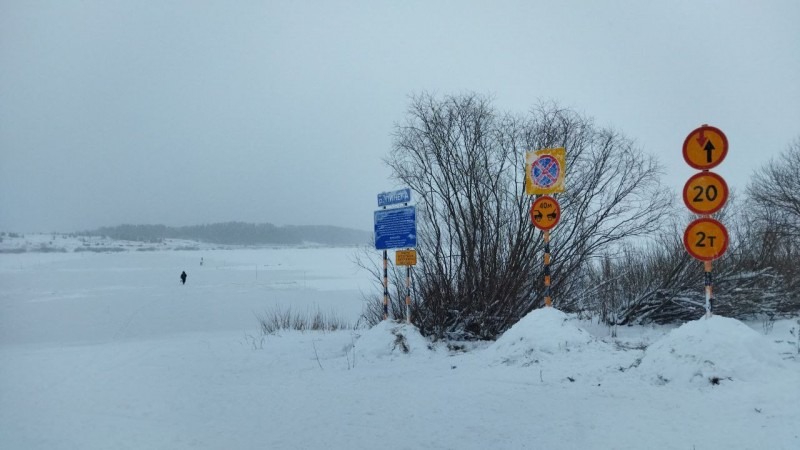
(405, 258)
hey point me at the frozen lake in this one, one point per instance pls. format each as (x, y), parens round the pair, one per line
(109, 351)
(105, 297)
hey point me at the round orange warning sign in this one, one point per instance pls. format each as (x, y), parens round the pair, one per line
(705, 147)
(706, 239)
(545, 212)
(705, 193)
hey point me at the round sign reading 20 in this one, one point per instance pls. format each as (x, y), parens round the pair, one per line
(705, 193)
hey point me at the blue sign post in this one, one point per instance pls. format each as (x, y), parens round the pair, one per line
(396, 228)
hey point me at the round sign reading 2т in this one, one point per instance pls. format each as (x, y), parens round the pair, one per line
(706, 239)
(705, 193)
(705, 147)
(545, 212)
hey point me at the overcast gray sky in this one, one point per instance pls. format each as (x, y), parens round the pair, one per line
(191, 112)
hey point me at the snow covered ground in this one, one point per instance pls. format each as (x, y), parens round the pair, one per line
(110, 351)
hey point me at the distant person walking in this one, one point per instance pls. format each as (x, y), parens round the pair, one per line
(183, 277)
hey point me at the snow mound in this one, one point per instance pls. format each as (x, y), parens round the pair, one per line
(390, 339)
(544, 330)
(709, 351)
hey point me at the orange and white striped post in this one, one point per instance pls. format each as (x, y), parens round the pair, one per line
(385, 285)
(547, 300)
(408, 294)
(705, 193)
(545, 214)
(545, 173)
(709, 284)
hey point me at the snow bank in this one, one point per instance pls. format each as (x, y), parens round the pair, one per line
(390, 339)
(544, 330)
(709, 351)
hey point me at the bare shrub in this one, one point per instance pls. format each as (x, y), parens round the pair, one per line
(660, 282)
(279, 319)
(480, 259)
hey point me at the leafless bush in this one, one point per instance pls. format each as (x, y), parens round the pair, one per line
(661, 283)
(279, 319)
(480, 258)
(776, 190)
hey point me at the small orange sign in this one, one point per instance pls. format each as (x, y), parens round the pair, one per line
(706, 239)
(705, 147)
(705, 193)
(545, 212)
(405, 258)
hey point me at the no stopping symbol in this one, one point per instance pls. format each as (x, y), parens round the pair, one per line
(545, 171)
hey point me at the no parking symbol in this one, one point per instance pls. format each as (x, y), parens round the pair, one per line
(544, 172)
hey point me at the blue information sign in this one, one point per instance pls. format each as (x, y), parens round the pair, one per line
(394, 197)
(396, 228)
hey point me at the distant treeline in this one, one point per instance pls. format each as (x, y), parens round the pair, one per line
(237, 233)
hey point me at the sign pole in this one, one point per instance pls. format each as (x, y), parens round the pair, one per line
(385, 285)
(547, 301)
(705, 193)
(709, 281)
(545, 214)
(408, 294)
(545, 172)
(395, 228)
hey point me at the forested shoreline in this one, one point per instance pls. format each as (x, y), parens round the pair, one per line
(237, 233)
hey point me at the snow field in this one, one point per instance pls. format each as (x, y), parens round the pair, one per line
(103, 351)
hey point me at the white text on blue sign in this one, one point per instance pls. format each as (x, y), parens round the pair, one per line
(394, 197)
(396, 228)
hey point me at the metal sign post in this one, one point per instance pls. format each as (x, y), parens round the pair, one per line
(545, 214)
(396, 228)
(545, 172)
(406, 258)
(385, 285)
(708, 281)
(408, 294)
(548, 302)
(705, 193)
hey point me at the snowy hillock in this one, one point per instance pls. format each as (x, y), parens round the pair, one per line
(709, 351)
(389, 340)
(544, 331)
